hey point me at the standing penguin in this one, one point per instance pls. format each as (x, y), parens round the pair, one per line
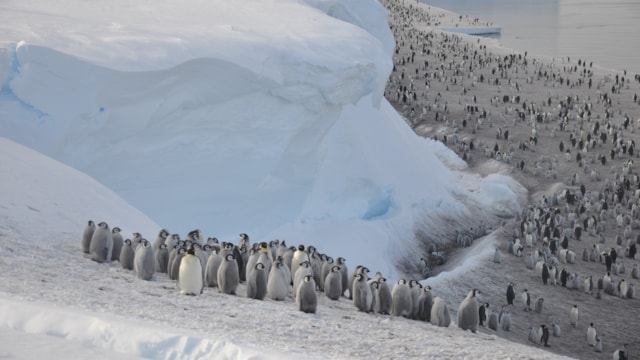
(621, 354)
(86, 235)
(533, 336)
(127, 255)
(228, 275)
(526, 299)
(190, 280)
(598, 347)
(384, 293)
(303, 270)
(497, 256)
(257, 282)
(278, 282)
(440, 313)
(299, 257)
(482, 314)
(362, 296)
(144, 262)
(174, 267)
(505, 321)
(544, 339)
(117, 243)
(306, 297)
(344, 270)
(101, 243)
(510, 294)
(425, 302)
(556, 330)
(160, 239)
(212, 267)
(468, 312)
(162, 259)
(573, 316)
(492, 323)
(416, 290)
(591, 335)
(401, 299)
(539, 305)
(333, 283)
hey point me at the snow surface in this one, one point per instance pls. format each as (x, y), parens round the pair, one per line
(264, 117)
(55, 301)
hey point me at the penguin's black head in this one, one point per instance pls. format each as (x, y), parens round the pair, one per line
(264, 245)
(191, 250)
(301, 247)
(115, 230)
(90, 223)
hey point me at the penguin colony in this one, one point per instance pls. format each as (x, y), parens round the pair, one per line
(271, 270)
(438, 83)
(572, 145)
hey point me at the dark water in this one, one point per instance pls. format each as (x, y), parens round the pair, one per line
(606, 32)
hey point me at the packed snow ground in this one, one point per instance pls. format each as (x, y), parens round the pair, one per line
(54, 300)
(318, 158)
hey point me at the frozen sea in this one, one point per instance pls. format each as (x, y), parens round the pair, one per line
(602, 31)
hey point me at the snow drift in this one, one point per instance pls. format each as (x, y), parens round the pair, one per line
(258, 117)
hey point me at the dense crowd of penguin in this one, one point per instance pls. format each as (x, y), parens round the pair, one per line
(269, 270)
(575, 139)
(439, 82)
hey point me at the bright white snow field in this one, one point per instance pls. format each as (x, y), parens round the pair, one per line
(264, 117)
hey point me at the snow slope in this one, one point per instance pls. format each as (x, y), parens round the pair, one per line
(55, 301)
(264, 117)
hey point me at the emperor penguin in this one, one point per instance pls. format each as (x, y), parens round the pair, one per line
(526, 299)
(635, 271)
(86, 235)
(468, 312)
(574, 315)
(244, 241)
(127, 255)
(117, 243)
(416, 290)
(277, 282)
(144, 261)
(162, 259)
(497, 256)
(228, 275)
(257, 282)
(598, 347)
(492, 322)
(482, 314)
(174, 269)
(556, 330)
(621, 354)
(306, 298)
(533, 336)
(264, 257)
(252, 260)
(288, 257)
(160, 239)
(375, 294)
(333, 283)
(362, 296)
(384, 294)
(511, 294)
(327, 265)
(425, 302)
(591, 335)
(101, 243)
(358, 270)
(440, 313)
(137, 239)
(299, 256)
(303, 270)
(171, 241)
(401, 299)
(539, 305)
(505, 321)
(285, 269)
(587, 284)
(190, 280)
(544, 339)
(345, 273)
(211, 268)
(623, 288)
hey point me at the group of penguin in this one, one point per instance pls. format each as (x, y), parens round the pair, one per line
(269, 270)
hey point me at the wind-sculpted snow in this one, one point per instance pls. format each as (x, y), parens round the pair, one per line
(265, 118)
